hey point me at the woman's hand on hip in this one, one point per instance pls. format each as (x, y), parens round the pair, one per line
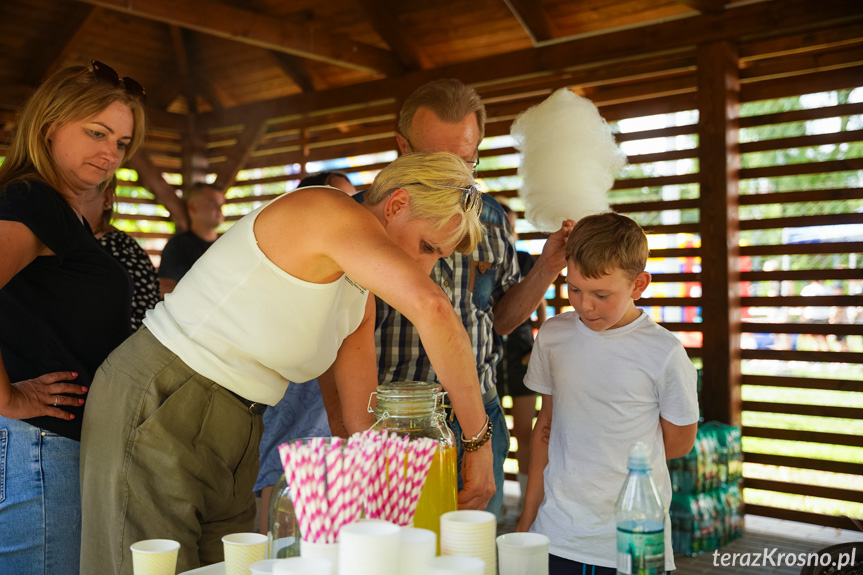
(42, 396)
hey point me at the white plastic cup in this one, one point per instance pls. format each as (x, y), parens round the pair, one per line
(242, 550)
(155, 557)
(417, 546)
(328, 551)
(470, 532)
(520, 553)
(455, 565)
(303, 566)
(369, 547)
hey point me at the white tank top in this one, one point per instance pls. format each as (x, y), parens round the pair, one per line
(245, 323)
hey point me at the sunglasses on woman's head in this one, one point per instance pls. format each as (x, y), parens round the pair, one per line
(471, 197)
(106, 73)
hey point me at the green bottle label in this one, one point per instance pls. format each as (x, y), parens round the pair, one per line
(640, 553)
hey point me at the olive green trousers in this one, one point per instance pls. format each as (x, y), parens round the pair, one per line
(165, 454)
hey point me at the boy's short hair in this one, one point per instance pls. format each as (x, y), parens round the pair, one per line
(602, 242)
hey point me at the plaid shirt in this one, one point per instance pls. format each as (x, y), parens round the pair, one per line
(473, 284)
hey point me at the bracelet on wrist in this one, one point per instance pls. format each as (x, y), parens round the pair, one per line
(480, 439)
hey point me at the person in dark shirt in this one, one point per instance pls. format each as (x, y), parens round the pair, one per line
(204, 203)
(64, 304)
(98, 211)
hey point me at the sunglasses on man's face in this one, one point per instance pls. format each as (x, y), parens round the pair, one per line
(107, 74)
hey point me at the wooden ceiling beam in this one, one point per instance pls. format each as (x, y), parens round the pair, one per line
(60, 44)
(151, 178)
(196, 84)
(705, 6)
(257, 29)
(380, 15)
(532, 18)
(246, 145)
(744, 22)
(803, 63)
(296, 69)
(841, 79)
(827, 38)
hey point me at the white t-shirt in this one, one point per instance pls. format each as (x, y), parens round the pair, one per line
(248, 325)
(609, 389)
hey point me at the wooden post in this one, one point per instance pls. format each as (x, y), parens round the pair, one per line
(719, 157)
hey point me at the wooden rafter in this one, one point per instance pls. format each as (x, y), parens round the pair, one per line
(296, 69)
(380, 16)
(532, 18)
(705, 6)
(195, 83)
(571, 55)
(62, 42)
(246, 143)
(279, 34)
(151, 177)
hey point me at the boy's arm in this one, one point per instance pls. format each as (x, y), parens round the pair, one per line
(538, 460)
(678, 439)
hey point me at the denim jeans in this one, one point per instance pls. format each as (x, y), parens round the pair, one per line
(499, 446)
(40, 501)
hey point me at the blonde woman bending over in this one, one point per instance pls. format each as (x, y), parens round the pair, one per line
(170, 449)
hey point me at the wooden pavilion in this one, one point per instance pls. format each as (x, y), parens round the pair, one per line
(254, 93)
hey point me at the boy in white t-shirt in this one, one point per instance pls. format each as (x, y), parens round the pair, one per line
(609, 377)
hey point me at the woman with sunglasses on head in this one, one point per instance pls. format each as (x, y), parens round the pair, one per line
(64, 304)
(170, 440)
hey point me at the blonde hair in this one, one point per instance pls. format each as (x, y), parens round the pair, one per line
(449, 99)
(602, 242)
(423, 176)
(71, 95)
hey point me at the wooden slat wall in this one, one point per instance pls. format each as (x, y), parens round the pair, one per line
(636, 87)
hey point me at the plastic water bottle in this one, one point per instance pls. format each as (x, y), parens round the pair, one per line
(640, 519)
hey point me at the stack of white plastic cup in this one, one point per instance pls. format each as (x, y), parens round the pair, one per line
(470, 533)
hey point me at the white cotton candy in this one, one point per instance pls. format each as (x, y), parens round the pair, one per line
(569, 160)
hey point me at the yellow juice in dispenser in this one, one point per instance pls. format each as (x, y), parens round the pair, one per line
(440, 492)
(416, 410)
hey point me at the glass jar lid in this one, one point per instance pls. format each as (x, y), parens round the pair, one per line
(407, 398)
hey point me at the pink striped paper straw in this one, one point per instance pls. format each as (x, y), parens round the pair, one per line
(365, 447)
(375, 491)
(319, 487)
(354, 474)
(334, 482)
(344, 502)
(399, 495)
